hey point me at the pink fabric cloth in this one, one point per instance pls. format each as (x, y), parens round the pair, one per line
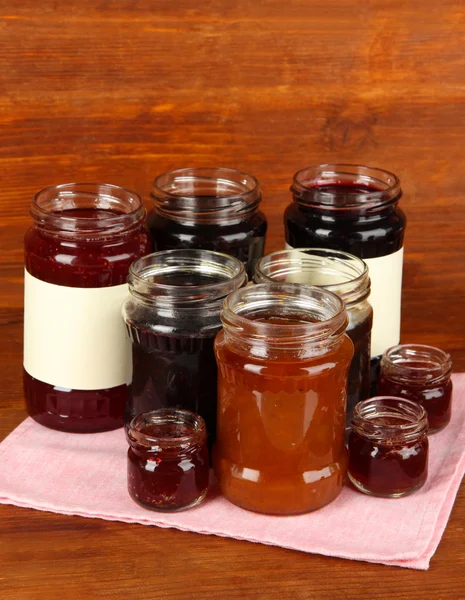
(85, 475)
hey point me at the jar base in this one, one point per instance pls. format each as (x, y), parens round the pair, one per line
(168, 509)
(361, 488)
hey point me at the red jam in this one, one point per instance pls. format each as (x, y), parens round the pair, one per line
(168, 464)
(388, 447)
(72, 244)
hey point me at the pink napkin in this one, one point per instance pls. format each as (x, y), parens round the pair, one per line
(85, 475)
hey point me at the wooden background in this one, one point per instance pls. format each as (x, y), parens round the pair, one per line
(122, 90)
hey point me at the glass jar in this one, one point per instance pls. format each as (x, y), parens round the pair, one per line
(211, 209)
(77, 358)
(283, 359)
(346, 276)
(421, 374)
(168, 466)
(173, 315)
(388, 447)
(355, 209)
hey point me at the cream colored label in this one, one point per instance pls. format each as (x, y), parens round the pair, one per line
(75, 338)
(385, 298)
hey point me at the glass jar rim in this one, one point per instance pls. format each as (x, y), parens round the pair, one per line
(416, 363)
(49, 206)
(316, 195)
(382, 407)
(230, 271)
(352, 288)
(161, 416)
(261, 296)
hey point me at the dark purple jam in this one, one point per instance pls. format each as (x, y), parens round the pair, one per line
(358, 382)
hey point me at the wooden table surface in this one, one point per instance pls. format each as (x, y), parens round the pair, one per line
(122, 90)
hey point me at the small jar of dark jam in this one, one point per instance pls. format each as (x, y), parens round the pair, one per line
(168, 466)
(210, 209)
(355, 209)
(345, 275)
(77, 357)
(388, 447)
(172, 316)
(421, 374)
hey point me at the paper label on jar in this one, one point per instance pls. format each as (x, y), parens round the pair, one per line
(385, 298)
(75, 338)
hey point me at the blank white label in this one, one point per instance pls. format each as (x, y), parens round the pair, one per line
(75, 338)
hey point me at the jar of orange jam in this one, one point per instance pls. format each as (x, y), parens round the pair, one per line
(283, 360)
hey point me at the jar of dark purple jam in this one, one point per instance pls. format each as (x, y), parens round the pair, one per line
(172, 316)
(77, 357)
(211, 209)
(355, 209)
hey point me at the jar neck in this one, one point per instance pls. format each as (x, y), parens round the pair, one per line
(206, 196)
(185, 279)
(168, 430)
(346, 189)
(272, 320)
(389, 420)
(416, 364)
(87, 211)
(336, 271)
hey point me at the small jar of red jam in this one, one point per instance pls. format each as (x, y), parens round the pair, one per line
(345, 275)
(211, 209)
(168, 467)
(77, 357)
(388, 447)
(172, 316)
(355, 209)
(283, 359)
(421, 374)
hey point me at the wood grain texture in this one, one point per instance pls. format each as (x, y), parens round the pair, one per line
(122, 90)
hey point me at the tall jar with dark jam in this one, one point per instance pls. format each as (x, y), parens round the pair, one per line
(173, 315)
(77, 357)
(210, 209)
(345, 275)
(355, 209)
(283, 359)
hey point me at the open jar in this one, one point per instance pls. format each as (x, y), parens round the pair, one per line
(173, 315)
(345, 275)
(283, 359)
(211, 209)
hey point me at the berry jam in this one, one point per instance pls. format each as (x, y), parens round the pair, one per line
(81, 248)
(168, 466)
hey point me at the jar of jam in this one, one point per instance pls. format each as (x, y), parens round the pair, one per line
(168, 466)
(345, 275)
(283, 359)
(421, 374)
(355, 209)
(211, 209)
(77, 358)
(388, 447)
(173, 315)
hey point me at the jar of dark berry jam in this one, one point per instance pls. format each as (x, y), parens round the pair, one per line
(172, 316)
(283, 359)
(421, 374)
(77, 357)
(388, 447)
(345, 275)
(355, 209)
(168, 467)
(210, 209)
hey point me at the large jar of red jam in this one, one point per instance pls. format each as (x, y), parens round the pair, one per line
(172, 316)
(355, 209)
(211, 209)
(77, 357)
(283, 359)
(421, 374)
(388, 447)
(345, 275)
(168, 467)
